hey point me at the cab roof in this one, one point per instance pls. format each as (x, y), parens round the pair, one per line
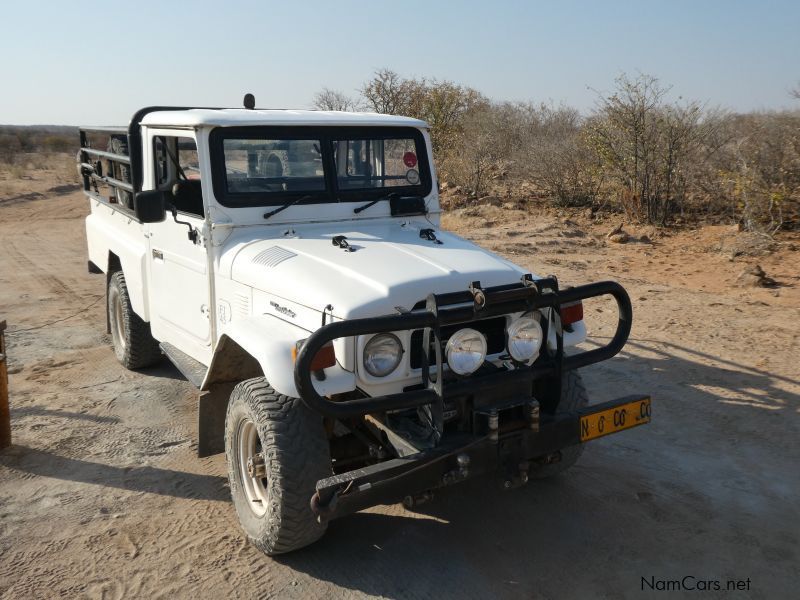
(238, 117)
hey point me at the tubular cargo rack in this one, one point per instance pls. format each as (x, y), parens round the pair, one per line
(90, 159)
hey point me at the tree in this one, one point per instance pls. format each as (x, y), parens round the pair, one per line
(551, 150)
(647, 146)
(478, 151)
(761, 170)
(624, 134)
(386, 92)
(654, 157)
(442, 104)
(328, 99)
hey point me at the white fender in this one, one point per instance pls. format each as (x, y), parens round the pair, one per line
(269, 341)
(126, 241)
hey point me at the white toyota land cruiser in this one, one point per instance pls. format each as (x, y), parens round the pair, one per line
(348, 352)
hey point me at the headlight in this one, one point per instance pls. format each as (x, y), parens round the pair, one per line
(466, 350)
(524, 339)
(382, 354)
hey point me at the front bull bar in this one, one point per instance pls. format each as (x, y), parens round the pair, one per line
(462, 308)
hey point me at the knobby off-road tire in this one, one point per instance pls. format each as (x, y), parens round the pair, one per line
(275, 510)
(133, 344)
(573, 397)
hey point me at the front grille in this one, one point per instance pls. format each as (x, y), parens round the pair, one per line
(494, 329)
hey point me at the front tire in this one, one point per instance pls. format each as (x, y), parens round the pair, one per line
(277, 450)
(573, 397)
(133, 343)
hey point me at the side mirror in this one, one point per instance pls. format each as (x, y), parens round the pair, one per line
(151, 206)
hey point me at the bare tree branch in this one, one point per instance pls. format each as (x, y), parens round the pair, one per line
(328, 99)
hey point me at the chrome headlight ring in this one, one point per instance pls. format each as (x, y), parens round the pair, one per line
(466, 351)
(525, 338)
(382, 354)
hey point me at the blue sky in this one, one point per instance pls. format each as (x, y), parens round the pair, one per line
(60, 62)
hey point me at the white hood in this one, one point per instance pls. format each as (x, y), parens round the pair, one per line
(391, 266)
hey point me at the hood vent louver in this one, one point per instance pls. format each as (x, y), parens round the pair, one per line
(273, 256)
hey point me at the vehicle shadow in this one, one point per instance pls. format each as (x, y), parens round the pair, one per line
(39, 411)
(409, 555)
(476, 540)
(152, 480)
(163, 370)
(471, 541)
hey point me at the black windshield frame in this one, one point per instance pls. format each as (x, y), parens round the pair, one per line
(326, 136)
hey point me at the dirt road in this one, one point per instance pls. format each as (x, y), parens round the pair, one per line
(101, 495)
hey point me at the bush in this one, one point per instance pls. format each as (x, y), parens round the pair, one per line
(17, 141)
(647, 147)
(552, 152)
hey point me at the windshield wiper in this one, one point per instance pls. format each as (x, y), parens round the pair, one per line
(389, 196)
(271, 213)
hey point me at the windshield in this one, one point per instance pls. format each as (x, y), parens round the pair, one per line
(370, 163)
(260, 166)
(273, 166)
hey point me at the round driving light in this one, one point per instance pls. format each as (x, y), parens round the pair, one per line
(524, 339)
(382, 354)
(466, 351)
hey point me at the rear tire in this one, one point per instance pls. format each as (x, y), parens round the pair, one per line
(133, 343)
(573, 397)
(277, 450)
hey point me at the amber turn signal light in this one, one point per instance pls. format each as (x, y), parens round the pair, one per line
(571, 312)
(325, 358)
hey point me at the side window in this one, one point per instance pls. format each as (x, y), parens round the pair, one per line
(162, 162)
(187, 158)
(177, 169)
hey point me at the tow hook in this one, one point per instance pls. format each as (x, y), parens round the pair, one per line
(533, 415)
(549, 459)
(520, 478)
(494, 423)
(411, 502)
(324, 510)
(459, 474)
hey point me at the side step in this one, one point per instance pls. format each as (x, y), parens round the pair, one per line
(193, 370)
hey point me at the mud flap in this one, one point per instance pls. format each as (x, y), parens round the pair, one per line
(211, 410)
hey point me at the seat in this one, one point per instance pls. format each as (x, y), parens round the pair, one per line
(187, 196)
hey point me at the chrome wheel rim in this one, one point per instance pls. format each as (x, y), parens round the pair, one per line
(117, 320)
(252, 467)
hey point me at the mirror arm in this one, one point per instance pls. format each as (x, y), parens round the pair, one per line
(193, 233)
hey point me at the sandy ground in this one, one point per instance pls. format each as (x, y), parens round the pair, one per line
(101, 495)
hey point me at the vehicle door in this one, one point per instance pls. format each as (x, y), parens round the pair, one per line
(178, 265)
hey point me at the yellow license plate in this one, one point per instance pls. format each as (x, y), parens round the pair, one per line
(615, 419)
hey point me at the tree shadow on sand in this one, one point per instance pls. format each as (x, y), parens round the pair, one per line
(153, 480)
(699, 376)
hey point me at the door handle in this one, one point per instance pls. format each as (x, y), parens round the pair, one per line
(158, 255)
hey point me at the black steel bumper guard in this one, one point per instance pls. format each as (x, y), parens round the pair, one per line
(459, 454)
(461, 308)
